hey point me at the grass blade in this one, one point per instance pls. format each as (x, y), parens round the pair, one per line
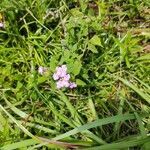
(145, 96)
(121, 145)
(21, 144)
(96, 123)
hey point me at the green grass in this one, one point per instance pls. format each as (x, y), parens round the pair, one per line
(105, 45)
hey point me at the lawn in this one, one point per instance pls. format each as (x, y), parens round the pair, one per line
(74, 74)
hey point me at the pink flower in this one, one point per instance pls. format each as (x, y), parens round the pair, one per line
(62, 83)
(60, 72)
(55, 76)
(66, 77)
(72, 85)
(64, 68)
(59, 84)
(62, 78)
(42, 70)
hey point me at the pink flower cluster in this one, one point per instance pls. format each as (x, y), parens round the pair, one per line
(63, 78)
(42, 70)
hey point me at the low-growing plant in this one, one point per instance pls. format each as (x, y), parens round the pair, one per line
(74, 74)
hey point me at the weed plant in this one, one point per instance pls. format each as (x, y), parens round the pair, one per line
(105, 47)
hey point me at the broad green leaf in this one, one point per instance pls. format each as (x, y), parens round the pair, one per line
(95, 40)
(92, 48)
(66, 54)
(76, 12)
(80, 82)
(53, 63)
(76, 67)
(41, 79)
